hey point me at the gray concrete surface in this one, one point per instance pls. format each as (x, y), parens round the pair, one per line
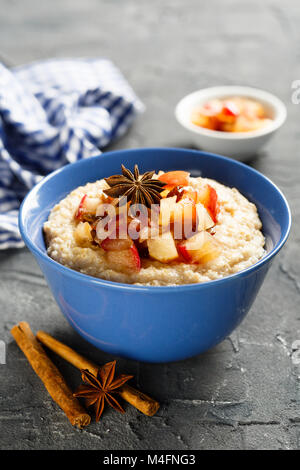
(245, 393)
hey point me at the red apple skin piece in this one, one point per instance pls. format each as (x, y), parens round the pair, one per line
(209, 199)
(125, 260)
(213, 206)
(231, 109)
(79, 211)
(175, 178)
(184, 253)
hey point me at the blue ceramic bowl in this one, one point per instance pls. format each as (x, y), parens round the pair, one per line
(155, 324)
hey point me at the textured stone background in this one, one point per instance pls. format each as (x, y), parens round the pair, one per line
(243, 394)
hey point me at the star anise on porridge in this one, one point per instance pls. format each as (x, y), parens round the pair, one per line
(137, 188)
(100, 389)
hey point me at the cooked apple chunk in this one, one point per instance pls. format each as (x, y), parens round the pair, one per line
(167, 208)
(163, 248)
(82, 234)
(126, 261)
(204, 220)
(200, 248)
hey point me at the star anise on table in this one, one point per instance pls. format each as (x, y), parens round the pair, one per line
(98, 389)
(137, 188)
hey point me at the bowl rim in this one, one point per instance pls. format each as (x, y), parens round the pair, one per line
(149, 289)
(227, 90)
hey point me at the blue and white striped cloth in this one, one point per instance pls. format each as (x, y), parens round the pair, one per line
(53, 113)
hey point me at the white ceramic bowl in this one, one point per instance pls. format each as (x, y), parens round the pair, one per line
(238, 145)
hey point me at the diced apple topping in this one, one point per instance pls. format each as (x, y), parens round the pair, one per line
(209, 198)
(175, 229)
(167, 208)
(163, 248)
(176, 212)
(82, 234)
(184, 218)
(185, 211)
(164, 193)
(185, 215)
(204, 220)
(117, 244)
(189, 193)
(79, 211)
(235, 114)
(91, 204)
(124, 260)
(175, 178)
(183, 192)
(200, 248)
(87, 208)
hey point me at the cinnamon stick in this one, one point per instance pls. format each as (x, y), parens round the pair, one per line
(50, 375)
(139, 400)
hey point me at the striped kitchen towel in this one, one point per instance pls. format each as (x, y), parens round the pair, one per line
(52, 113)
